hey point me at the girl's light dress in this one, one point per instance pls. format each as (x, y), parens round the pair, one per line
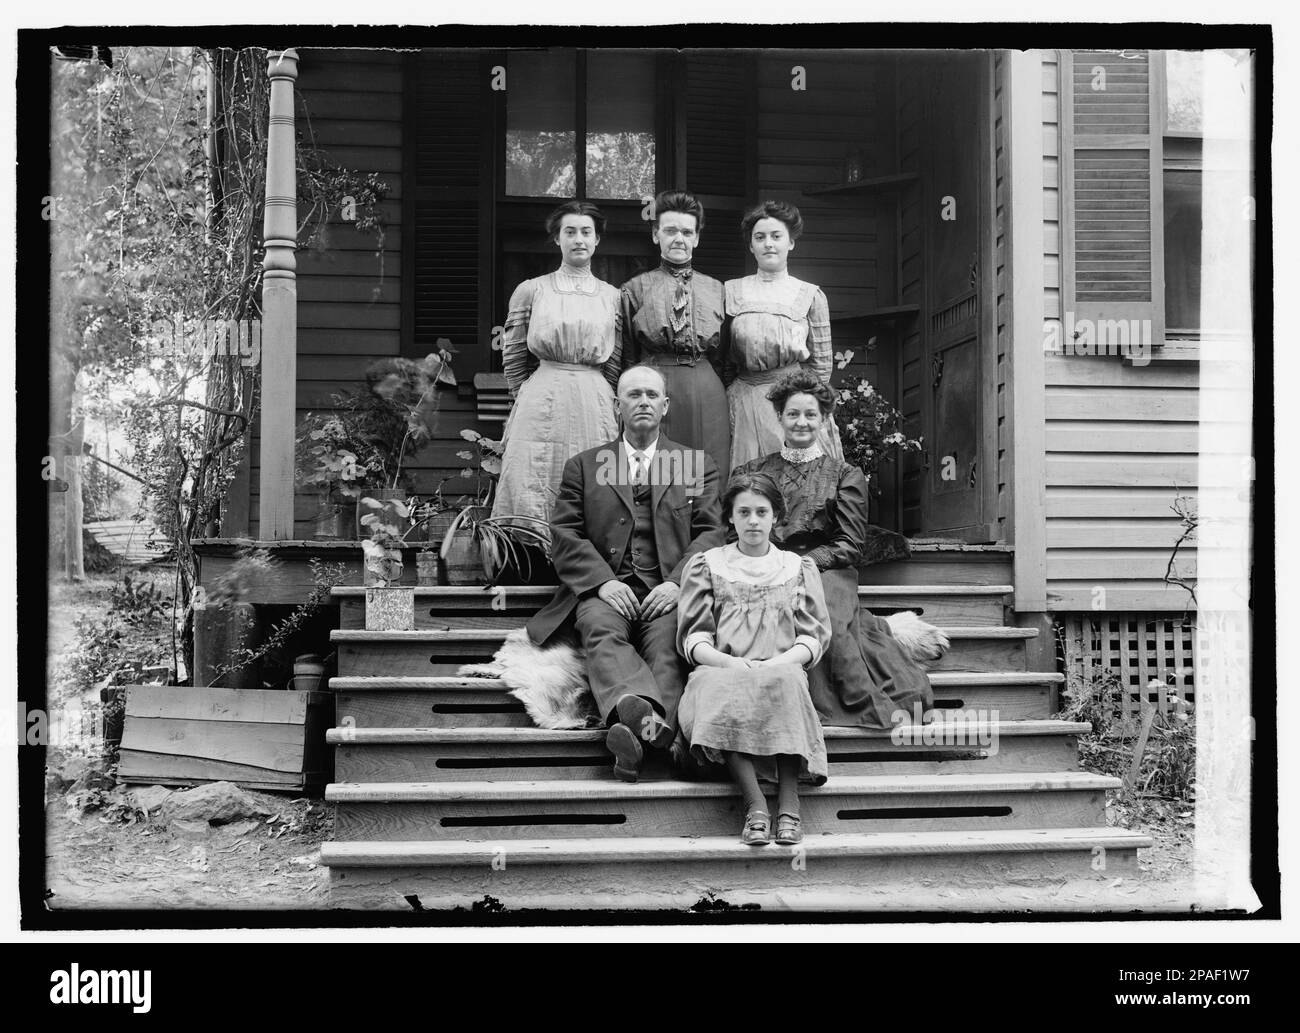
(755, 608)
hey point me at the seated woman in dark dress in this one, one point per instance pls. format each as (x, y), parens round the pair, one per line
(864, 677)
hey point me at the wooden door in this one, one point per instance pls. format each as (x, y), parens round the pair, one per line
(955, 220)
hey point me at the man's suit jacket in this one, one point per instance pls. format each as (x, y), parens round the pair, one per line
(591, 525)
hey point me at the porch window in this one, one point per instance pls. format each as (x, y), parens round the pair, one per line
(1184, 182)
(606, 99)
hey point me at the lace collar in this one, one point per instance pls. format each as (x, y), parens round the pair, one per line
(803, 455)
(677, 272)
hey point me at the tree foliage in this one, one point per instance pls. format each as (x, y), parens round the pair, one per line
(159, 179)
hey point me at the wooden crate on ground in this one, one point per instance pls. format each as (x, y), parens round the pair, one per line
(256, 738)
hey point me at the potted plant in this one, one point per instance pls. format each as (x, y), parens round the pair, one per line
(334, 458)
(389, 606)
(359, 449)
(478, 544)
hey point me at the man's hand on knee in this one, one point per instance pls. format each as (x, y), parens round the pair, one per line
(662, 599)
(621, 598)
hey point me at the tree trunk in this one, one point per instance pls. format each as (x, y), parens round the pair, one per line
(66, 437)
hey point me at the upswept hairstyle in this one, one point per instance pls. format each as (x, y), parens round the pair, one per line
(759, 484)
(782, 210)
(575, 208)
(679, 201)
(802, 382)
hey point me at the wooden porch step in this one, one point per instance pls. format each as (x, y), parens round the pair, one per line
(827, 871)
(581, 808)
(495, 754)
(510, 606)
(448, 701)
(443, 651)
(945, 563)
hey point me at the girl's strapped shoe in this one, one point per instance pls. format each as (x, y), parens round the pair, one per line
(789, 829)
(758, 828)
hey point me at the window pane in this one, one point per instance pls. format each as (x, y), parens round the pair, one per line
(1182, 250)
(1184, 75)
(540, 131)
(620, 124)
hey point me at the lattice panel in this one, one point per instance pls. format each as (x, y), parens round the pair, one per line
(1137, 649)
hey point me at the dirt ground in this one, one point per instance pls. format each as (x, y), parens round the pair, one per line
(261, 864)
(110, 859)
(98, 860)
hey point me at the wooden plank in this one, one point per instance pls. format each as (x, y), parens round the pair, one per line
(422, 708)
(328, 315)
(1025, 271)
(1121, 437)
(1107, 566)
(273, 747)
(506, 820)
(1064, 596)
(920, 569)
(997, 650)
(1136, 471)
(1117, 503)
(1130, 403)
(215, 704)
(355, 104)
(1091, 371)
(324, 290)
(1112, 534)
(153, 768)
(761, 878)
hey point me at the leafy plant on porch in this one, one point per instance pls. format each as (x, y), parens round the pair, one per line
(357, 450)
(503, 542)
(871, 430)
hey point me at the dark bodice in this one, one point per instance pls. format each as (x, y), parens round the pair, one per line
(659, 320)
(826, 508)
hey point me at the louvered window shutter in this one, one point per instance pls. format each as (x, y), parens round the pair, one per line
(719, 165)
(1112, 191)
(449, 229)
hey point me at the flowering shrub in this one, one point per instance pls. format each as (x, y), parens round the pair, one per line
(367, 437)
(870, 428)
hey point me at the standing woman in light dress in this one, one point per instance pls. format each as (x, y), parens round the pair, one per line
(562, 357)
(777, 325)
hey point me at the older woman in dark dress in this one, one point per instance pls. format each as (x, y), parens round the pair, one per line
(673, 319)
(865, 677)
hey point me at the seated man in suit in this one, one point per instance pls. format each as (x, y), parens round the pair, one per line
(629, 515)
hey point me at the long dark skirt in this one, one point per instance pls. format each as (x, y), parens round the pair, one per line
(864, 677)
(697, 413)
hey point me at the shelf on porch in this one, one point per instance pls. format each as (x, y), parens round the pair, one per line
(876, 184)
(885, 312)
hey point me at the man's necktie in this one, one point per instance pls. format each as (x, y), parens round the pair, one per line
(638, 469)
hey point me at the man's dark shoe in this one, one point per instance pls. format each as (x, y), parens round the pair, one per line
(627, 751)
(637, 713)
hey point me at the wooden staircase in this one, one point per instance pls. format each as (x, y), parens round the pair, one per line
(446, 794)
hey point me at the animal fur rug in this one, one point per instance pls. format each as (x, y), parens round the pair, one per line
(551, 682)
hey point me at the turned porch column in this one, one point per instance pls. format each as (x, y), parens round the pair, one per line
(279, 306)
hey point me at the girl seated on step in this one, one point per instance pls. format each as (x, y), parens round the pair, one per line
(751, 620)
